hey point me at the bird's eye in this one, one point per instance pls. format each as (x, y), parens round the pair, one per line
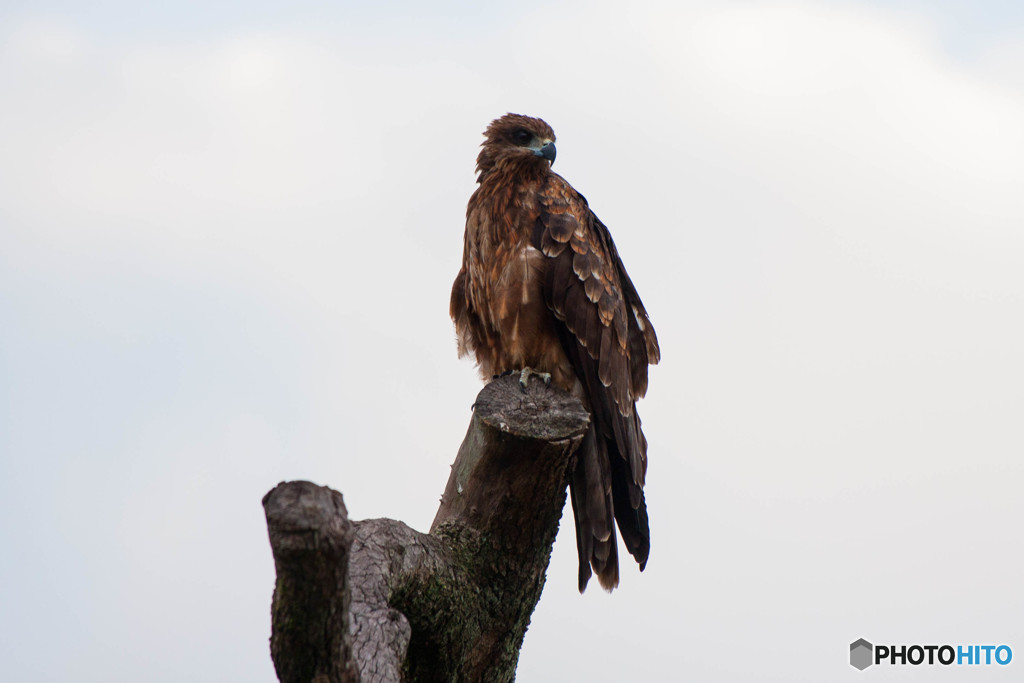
(522, 136)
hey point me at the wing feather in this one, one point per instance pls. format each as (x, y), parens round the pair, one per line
(609, 341)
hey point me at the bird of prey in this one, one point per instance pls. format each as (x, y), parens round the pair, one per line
(542, 290)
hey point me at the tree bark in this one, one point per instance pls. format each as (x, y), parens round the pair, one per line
(377, 601)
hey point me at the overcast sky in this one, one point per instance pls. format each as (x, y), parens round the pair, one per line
(228, 233)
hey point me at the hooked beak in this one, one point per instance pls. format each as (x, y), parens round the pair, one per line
(547, 151)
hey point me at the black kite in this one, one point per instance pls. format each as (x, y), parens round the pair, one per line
(542, 288)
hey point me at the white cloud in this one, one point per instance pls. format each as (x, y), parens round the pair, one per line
(45, 39)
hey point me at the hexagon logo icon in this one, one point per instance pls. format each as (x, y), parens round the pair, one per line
(861, 652)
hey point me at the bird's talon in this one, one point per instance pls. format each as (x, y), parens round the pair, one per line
(526, 373)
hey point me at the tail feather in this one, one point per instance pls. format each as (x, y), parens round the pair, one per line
(601, 489)
(632, 520)
(584, 539)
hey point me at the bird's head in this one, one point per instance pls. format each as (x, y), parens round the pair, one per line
(517, 139)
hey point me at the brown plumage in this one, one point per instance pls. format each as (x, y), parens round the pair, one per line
(542, 286)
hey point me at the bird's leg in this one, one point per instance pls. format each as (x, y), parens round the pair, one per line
(524, 377)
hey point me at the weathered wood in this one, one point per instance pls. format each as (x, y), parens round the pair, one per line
(452, 605)
(386, 555)
(311, 536)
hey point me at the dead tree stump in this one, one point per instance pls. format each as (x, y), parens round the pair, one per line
(377, 601)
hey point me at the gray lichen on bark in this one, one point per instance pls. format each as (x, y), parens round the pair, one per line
(375, 600)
